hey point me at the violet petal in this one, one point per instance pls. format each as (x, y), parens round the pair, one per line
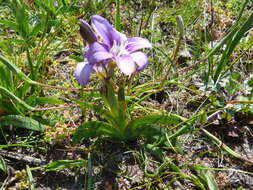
(97, 52)
(118, 37)
(137, 43)
(82, 72)
(106, 31)
(140, 59)
(126, 64)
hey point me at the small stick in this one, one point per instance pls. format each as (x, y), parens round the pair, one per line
(63, 88)
(56, 107)
(22, 157)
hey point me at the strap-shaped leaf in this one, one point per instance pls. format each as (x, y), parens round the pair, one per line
(207, 176)
(155, 119)
(230, 33)
(9, 23)
(155, 150)
(6, 78)
(231, 46)
(3, 166)
(49, 100)
(151, 132)
(20, 121)
(93, 129)
(15, 98)
(62, 164)
(16, 70)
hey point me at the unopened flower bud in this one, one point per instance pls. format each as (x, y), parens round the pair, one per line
(86, 32)
(180, 24)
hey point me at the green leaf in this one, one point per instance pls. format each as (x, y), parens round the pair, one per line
(89, 174)
(49, 100)
(9, 23)
(152, 133)
(36, 29)
(93, 129)
(84, 105)
(111, 98)
(222, 145)
(149, 127)
(6, 78)
(210, 180)
(207, 176)
(62, 164)
(181, 174)
(15, 69)
(23, 91)
(30, 178)
(22, 19)
(15, 98)
(154, 150)
(232, 44)
(122, 112)
(20, 121)
(221, 43)
(182, 130)
(230, 33)
(116, 114)
(3, 165)
(121, 94)
(155, 119)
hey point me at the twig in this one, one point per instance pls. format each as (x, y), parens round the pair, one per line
(63, 88)
(22, 157)
(56, 107)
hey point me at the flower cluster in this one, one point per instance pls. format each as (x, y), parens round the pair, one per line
(107, 45)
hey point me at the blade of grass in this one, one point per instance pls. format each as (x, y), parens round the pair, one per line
(6, 78)
(230, 33)
(22, 19)
(208, 178)
(15, 69)
(117, 16)
(3, 165)
(230, 48)
(62, 164)
(30, 178)
(226, 148)
(22, 122)
(22, 76)
(30, 63)
(89, 174)
(15, 98)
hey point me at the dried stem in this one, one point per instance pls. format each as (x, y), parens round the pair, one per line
(66, 89)
(56, 107)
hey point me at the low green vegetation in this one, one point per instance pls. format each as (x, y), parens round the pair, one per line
(182, 121)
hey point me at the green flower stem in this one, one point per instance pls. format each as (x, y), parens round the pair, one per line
(115, 102)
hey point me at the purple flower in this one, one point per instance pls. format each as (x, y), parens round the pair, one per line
(106, 44)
